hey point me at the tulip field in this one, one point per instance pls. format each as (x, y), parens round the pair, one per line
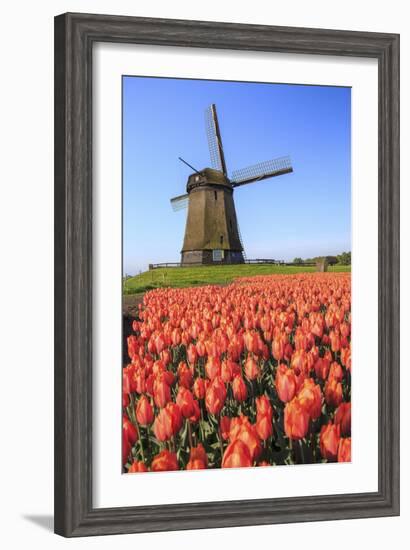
(253, 373)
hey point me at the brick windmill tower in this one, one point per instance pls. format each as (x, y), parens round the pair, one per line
(212, 233)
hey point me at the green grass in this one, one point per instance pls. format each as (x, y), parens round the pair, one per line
(220, 274)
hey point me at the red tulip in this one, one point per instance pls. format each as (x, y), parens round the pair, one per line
(137, 467)
(236, 455)
(242, 429)
(264, 406)
(199, 388)
(226, 371)
(296, 420)
(329, 441)
(333, 392)
(185, 401)
(198, 459)
(129, 431)
(192, 354)
(168, 422)
(343, 417)
(162, 392)
(164, 461)
(252, 369)
(225, 425)
(239, 389)
(215, 396)
(185, 375)
(310, 397)
(213, 367)
(264, 426)
(336, 371)
(322, 368)
(344, 453)
(144, 412)
(285, 383)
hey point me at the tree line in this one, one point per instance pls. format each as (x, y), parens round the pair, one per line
(345, 258)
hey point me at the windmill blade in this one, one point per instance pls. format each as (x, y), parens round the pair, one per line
(261, 171)
(214, 139)
(179, 202)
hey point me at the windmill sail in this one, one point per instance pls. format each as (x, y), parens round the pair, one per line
(214, 139)
(261, 171)
(179, 202)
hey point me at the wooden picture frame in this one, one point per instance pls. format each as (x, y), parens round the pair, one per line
(75, 35)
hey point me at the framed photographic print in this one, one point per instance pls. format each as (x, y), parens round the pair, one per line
(226, 274)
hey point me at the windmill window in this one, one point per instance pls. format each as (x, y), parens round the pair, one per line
(221, 239)
(215, 195)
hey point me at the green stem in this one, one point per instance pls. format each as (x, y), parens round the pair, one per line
(189, 433)
(220, 439)
(140, 441)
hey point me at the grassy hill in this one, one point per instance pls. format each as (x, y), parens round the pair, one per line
(203, 275)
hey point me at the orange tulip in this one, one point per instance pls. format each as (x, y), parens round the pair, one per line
(236, 455)
(285, 383)
(252, 369)
(164, 461)
(310, 397)
(185, 401)
(213, 367)
(264, 426)
(264, 406)
(329, 441)
(199, 388)
(333, 392)
(225, 425)
(162, 392)
(144, 412)
(343, 417)
(129, 431)
(168, 422)
(215, 396)
(344, 453)
(239, 389)
(336, 371)
(192, 354)
(296, 420)
(198, 459)
(137, 466)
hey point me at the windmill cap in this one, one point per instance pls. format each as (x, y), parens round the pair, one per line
(207, 176)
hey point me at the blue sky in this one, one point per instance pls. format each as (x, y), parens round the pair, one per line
(306, 213)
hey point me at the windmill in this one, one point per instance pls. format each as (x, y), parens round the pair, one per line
(212, 232)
